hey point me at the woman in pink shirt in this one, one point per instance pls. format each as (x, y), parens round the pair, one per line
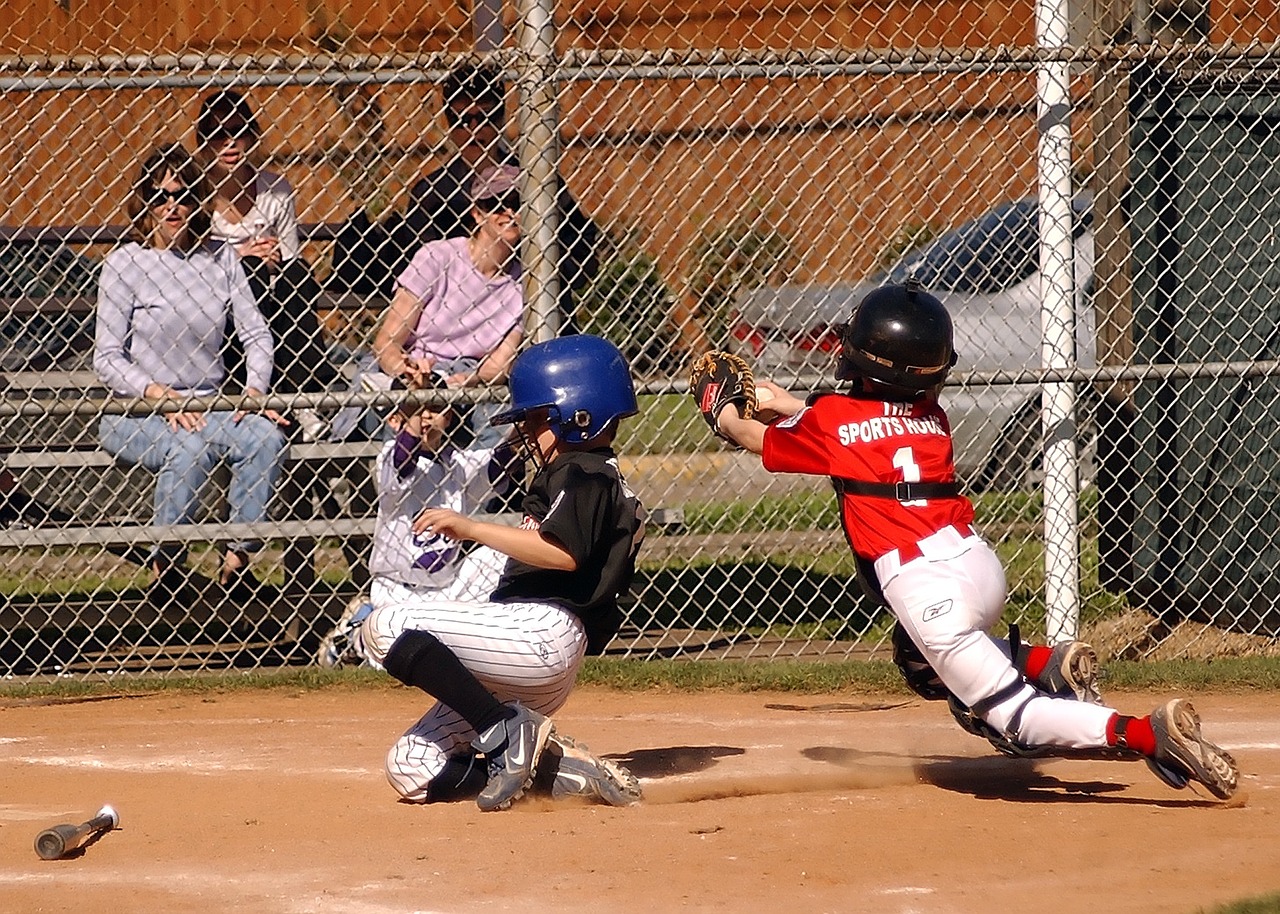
(458, 310)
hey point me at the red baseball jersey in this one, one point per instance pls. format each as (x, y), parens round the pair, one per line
(873, 441)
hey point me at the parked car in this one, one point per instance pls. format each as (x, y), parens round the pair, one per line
(986, 271)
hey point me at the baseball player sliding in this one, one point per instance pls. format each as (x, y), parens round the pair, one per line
(886, 445)
(497, 636)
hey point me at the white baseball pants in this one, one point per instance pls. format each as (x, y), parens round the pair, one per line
(526, 652)
(947, 600)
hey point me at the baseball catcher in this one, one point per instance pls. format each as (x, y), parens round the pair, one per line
(886, 446)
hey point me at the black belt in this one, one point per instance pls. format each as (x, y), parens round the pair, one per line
(899, 491)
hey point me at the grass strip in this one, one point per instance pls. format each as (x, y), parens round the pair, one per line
(800, 676)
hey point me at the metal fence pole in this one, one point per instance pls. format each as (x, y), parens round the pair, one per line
(1058, 322)
(539, 160)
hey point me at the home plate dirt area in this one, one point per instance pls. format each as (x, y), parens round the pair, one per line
(275, 801)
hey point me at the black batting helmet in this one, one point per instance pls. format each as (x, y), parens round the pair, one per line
(898, 337)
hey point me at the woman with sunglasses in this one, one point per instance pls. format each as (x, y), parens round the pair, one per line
(369, 254)
(458, 309)
(255, 210)
(165, 300)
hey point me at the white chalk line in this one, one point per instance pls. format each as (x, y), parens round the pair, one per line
(908, 890)
(185, 763)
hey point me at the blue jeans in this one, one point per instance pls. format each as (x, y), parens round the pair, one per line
(183, 462)
(486, 435)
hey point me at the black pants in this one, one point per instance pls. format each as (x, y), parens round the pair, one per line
(289, 305)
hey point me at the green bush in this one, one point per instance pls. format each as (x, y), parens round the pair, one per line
(730, 258)
(908, 238)
(628, 304)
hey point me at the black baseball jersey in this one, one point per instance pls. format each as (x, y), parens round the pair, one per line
(581, 501)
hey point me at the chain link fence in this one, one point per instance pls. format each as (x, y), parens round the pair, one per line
(1096, 206)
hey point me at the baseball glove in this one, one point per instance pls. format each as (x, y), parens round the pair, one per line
(717, 379)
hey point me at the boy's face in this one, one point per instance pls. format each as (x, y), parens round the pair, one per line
(429, 427)
(535, 428)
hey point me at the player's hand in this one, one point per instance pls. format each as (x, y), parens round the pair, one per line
(729, 414)
(774, 401)
(443, 522)
(730, 423)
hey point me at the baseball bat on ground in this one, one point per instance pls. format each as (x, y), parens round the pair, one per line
(54, 843)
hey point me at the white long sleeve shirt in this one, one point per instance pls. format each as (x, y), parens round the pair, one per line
(274, 215)
(162, 316)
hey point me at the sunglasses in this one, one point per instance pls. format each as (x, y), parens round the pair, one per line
(510, 202)
(185, 196)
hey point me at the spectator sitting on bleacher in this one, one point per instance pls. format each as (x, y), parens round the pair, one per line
(440, 205)
(458, 311)
(254, 209)
(164, 301)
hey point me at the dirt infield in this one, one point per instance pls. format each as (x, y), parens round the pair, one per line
(275, 802)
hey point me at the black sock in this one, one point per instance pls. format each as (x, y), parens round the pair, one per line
(419, 659)
(463, 777)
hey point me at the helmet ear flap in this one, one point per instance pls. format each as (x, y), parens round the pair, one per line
(846, 370)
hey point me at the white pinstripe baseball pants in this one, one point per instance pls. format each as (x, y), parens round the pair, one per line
(527, 652)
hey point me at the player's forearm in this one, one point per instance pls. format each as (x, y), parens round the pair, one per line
(528, 546)
(388, 342)
(748, 433)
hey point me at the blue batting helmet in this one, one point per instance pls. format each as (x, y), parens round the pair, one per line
(583, 381)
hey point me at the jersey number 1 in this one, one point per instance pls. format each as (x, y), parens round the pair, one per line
(905, 461)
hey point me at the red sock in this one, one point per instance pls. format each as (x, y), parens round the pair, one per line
(1037, 660)
(1131, 733)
